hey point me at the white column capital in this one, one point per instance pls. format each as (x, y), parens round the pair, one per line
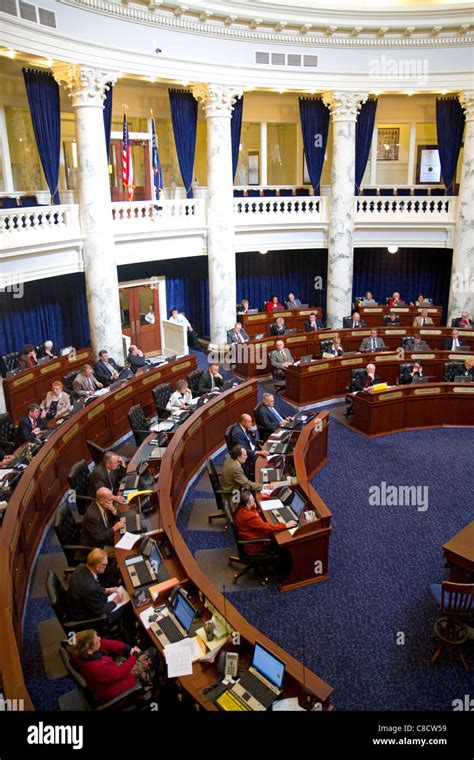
(466, 99)
(343, 105)
(217, 99)
(86, 85)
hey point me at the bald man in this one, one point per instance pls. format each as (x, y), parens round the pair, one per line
(87, 598)
(101, 522)
(243, 434)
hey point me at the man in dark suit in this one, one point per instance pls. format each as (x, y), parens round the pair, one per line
(372, 343)
(237, 334)
(86, 597)
(416, 344)
(135, 359)
(391, 319)
(278, 328)
(30, 426)
(365, 380)
(313, 324)
(106, 369)
(243, 435)
(354, 321)
(413, 375)
(211, 380)
(454, 343)
(101, 522)
(107, 474)
(267, 417)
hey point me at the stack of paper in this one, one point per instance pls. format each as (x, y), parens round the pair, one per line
(180, 657)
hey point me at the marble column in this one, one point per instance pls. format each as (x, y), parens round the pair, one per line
(344, 107)
(217, 102)
(86, 87)
(461, 296)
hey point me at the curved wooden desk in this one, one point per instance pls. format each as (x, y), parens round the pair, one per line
(413, 406)
(261, 321)
(39, 492)
(374, 315)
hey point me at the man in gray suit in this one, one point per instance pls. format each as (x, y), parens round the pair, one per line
(280, 358)
(374, 343)
(416, 343)
(237, 334)
(85, 384)
(293, 303)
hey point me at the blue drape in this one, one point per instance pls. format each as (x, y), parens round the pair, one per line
(54, 309)
(43, 98)
(184, 117)
(411, 271)
(363, 138)
(450, 121)
(235, 130)
(314, 118)
(108, 116)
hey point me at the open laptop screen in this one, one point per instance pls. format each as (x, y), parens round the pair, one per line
(297, 503)
(268, 665)
(184, 611)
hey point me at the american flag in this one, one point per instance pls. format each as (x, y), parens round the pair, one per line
(127, 165)
(157, 173)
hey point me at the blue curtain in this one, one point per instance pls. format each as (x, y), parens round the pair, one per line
(184, 118)
(411, 271)
(363, 138)
(54, 309)
(314, 118)
(449, 127)
(235, 129)
(108, 116)
(43, 98)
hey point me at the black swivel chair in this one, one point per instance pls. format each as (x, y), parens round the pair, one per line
(97, 452)
(456, 605)
(68, 381)
(350, 388)
(57, 596)
(263, 432)
(228, 436)
(78, 479)
(325, 345)
(7, 433)
(401, 371)
(129, 700)
(68, 532)
(219, 495)
(193, 380)
(9, 363)
(407, 342)
(451, 369)
(141, 427)
(161, 395)
(258, 561)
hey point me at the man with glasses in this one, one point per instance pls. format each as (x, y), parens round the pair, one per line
(87, 598)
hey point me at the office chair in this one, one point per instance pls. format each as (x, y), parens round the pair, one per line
(258, 561)
(139, 424)
(68, 532)
(28, 200)
(78, 479)
(437, 191)
(386, 191)
(68, 381)
(401, 372)
(325, 345)
(219, 494)
(403, 191)
(369, 191)
(285, 192)
(129, 700)
(263, 432)
(161, 395)
(387, 321)
(350, 389)
(451, 369)
(7, 433)
(302, 191)
(278, 378)
(420, 191)
(9, 362)
(193, 380)
(407, 342)
(456, 604)
(57, 596)
(8, 202)
(238, 193)
(228, 436)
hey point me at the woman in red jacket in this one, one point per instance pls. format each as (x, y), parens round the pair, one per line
(273, 303)
(251, 526)
(107, 677)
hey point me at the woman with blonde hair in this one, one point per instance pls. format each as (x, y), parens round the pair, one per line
(57, 402)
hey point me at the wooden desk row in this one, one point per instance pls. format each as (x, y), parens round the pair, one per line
(32, 385)
(324, 379)
(39, 492)
(252, 359)
(373, 315)
(413, 406)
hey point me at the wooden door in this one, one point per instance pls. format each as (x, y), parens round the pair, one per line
(141, 171)
(135, 303)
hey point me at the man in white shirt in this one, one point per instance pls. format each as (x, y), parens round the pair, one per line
(179, 319)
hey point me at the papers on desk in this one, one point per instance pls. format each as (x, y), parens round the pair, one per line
(180, 657)
(146, 614)
(131, 494)
(101, 392)
(278, 434)
(287, 705)
(125, 598)
(272, 504)
(162, 426)
(127, 541)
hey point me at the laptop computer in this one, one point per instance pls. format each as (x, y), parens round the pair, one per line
(304, 306)
(177, 625)
(301, 418)
(259, 686)
(132, 481)
(145, 570)
(228, 384)
(305, 359)
(463, 379)
(272, 474)
(258, 336)
(294, 505)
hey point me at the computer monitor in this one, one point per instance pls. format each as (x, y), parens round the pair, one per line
(183, 611)
(463, 379)
(268, 665)
(296, 503)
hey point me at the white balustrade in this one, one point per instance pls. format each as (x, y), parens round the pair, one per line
(406, 209)
(38, 224)
(141, 216)
(284, 210)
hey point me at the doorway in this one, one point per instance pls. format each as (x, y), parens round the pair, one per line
(141, 171)
(140, 314)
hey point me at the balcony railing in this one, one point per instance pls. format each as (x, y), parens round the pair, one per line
(401, 209)
(149, 216)
(296, 210)
(37, 225)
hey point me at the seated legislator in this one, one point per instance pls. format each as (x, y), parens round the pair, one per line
(280, 358)
(250, 525)
(468, 370)
(292, 302)
(267, 416)
(179, 318)
(416, 343)
(106, 369)
(366, 380)
(57, 402)
(237, 334)
(455, 342)
(313, 324)
(28, 357)
(279, 328)
(5, 459)
(463, 320)
(233, 477)
(243, 306)
(85, 384)
(242, 434)
(31, 425)
(369, 300)
(101, 521)
(135, 359)
(354, 321)
(335, 348)
(391, 319)
(413, 375)
(107, 677)
(47, 350)
(273, 303)
(210, 380)
(422, 319)
(181, 398)
(396, 300)
(421, 300)
(107, 474)
(86, 597)
(373, 343)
